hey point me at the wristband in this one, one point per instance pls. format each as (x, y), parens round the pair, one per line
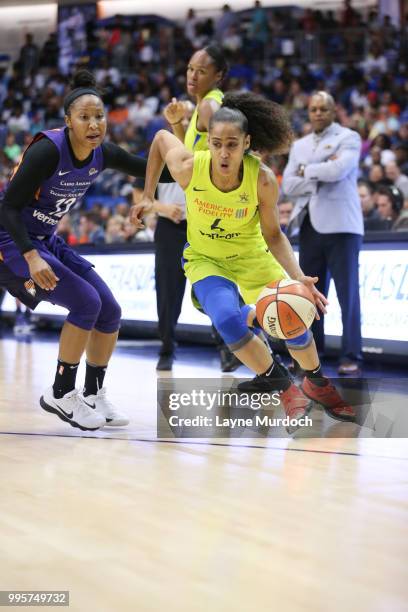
(176, 123)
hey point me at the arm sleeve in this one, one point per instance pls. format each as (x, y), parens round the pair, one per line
(118, 159)
(348, 156)
(38, 164)
(293, 185)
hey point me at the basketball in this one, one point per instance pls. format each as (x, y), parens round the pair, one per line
(285, 309)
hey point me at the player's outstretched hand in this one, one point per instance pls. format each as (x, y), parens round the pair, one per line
(319, 299)
(139, 210)
(175, 111)
(41, 272)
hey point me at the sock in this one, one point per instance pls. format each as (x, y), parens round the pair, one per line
(275, 371)
(65, 377)
(94, 378)
(316, 376)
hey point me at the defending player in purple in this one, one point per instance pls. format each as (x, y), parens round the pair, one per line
(56, 170)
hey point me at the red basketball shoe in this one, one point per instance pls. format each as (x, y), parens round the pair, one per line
(330, 399)
(296, 406)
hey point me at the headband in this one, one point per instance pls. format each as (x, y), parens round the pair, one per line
(76, 93)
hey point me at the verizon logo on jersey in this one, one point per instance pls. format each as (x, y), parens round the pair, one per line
(44, 218)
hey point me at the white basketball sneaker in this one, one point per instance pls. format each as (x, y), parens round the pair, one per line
(72, 409)
(104, 407)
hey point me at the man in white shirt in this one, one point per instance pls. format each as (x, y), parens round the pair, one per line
(321, 178)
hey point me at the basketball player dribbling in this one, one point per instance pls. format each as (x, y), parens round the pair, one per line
(231, 212)
(57, 169)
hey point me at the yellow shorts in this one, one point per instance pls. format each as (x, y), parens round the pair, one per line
(250, 272)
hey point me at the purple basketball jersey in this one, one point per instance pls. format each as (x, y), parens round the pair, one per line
(65, 188)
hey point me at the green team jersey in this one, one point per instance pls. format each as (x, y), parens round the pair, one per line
(193, 139)
(223, 225)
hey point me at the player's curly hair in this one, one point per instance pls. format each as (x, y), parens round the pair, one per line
(266, 122)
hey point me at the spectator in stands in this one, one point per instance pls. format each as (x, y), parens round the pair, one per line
(285, 207)
(401, 155)
(49, 52)
(225, 22)
(390, 204)
(394, 174)
(190, 25)
(140, 112)
(18, 120)
(377, 174)
(29, 55)
(376, 61)
(129, 231)
(259, 29)
(12, 150)
(371, 217)
(64, 229)
(114, 232)
(90, 230)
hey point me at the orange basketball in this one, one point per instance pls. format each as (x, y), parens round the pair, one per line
(285, 309)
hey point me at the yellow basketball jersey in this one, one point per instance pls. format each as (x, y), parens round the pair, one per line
(223, 225)
(193, 139)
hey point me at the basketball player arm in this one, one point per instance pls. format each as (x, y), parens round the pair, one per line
(117, 158)
(206, 109)
(38, 164)
(165, 148)
(276, 240)
(175, 113)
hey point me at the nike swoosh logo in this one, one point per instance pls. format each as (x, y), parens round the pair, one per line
(69, 415)
(88, 404)
(62, 173)
(196, 189)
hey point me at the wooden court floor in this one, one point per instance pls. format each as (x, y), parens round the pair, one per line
(126, 522)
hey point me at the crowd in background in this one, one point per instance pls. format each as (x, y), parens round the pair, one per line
(359, 58)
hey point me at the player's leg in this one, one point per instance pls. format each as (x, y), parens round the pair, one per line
(343, 263)
(83, 304)
(219, 299)
(99, 348)
(315, 385)
(302, 349)
(170, 285)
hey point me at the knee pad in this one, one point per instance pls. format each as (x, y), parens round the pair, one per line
(84, 313)
(300, 342)
(233, 330)
(108, 320)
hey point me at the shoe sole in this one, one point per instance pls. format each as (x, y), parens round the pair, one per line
(51, 409)
(337, 417)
